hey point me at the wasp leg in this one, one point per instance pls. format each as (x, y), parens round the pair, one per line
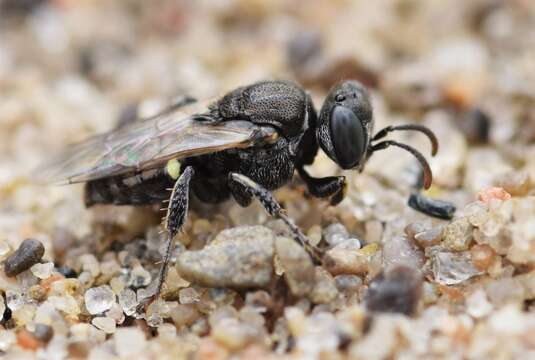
(251, 189)
(330, 186)
(177, 211)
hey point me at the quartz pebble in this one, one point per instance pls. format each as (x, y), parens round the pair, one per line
(42, 271)
(429, 237)
(397, 290)
(453, 268)
(296, 264)
(28, 253)
(105, 324)
(237, 258)
(99, 299)
(324, 290)
(129, 341)
(334, 234)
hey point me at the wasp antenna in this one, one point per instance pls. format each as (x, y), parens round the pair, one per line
(411, 127)
(428, 175)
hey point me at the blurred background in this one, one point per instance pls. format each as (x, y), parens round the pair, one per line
(464, 68)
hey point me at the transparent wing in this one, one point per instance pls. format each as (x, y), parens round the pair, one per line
(150, 143)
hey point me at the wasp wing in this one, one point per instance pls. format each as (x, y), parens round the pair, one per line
(150, 143)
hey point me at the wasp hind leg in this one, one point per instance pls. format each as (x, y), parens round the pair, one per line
(243, 189)
(175, 218)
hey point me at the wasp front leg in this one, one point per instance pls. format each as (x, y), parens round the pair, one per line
(331, 186)
(243, 189)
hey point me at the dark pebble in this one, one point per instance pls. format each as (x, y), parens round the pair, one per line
(396, 291)
(43, 332)
(28, 254)
(67, 272)
(475, 124)
(437, 208)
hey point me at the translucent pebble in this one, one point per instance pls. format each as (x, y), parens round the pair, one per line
(477, 304)
(482, 256)
(24, 314)
(429, 237)
(453, 268)
(188, 296)
(156, 312)
(324, 290)
(7, 339)
(334, 234)
(105, 324)
(66, 304)
(2, 306)
(167, 331)
(14, 299)
(128, 301)
(184, 315)
(348, 283)
(477, 213)
(488, 194)
(90, 263)
(117, 285)
(129, 341)
(116, 313)
(139, 277)
(4, 250)
(42, 271)
(99, 299)
(314, 234)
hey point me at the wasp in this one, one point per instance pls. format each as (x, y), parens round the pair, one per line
(242, 145)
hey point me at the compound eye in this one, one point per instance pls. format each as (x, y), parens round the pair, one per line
(348, 137)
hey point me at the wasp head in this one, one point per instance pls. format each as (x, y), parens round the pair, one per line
(345, 124)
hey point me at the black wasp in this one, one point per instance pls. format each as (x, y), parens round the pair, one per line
(244, 144)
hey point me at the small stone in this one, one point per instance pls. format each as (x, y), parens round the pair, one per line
(24, 314)
(429, 237)
(43, 332)
(240, 257)
(42, 271)
(105, 324)
(128, 301)
(129, 341)
(482, 256)
(488, 194)
(432, 207)
(397, 290)
(66, 271)
(156, 312)
(90, 264)
(139, 277)
(28, 254)
(458, 235)
(188, 296)
(477, 304)
(414, 228)
(324, 290)
(66, 304)
(314, 235)
(340, 260)
(234, 334)
(334, 234)
(26, 340)
(348, 283)
(2, 307)
(184, 315)
(453, 268)
(99, 299)
(401, 251)
(7, 338)
(5, 249)
(477, 213)
(296, 264)
(506, 290)
(116, 313)
(516, 183)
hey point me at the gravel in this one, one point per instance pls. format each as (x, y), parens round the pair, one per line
(395, 282)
